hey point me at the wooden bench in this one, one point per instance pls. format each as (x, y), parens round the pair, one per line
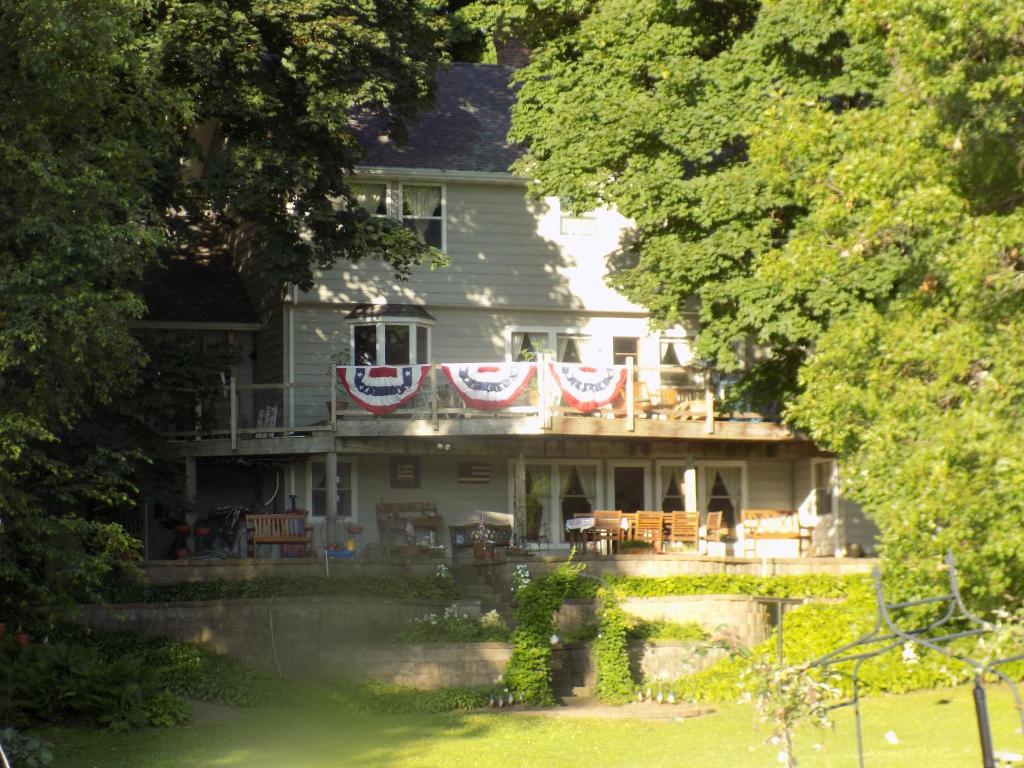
(288, 528)
(774, 525)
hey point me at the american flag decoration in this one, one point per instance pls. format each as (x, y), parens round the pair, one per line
(381, 389)
(489, 386)
(474, 472)
(585, 387)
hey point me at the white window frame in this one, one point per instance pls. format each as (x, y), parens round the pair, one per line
(558, 538)
(599, 344)
(393, 197)
(381, 329)
(396, 201)
(353, 461)
(613, 464)
(702, 492)
(688, 471)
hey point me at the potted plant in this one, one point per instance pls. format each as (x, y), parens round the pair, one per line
(635, 547)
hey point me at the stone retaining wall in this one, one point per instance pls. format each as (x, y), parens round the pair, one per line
(300, 630)
(747, 619)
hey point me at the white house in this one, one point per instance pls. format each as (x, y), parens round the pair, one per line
(525, 284)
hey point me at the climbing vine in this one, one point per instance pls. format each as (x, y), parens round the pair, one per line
(615, 683)
(528, 673)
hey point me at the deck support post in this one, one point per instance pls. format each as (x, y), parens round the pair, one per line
(630, 396)
(519, 496)
(233, 394)
(433, 395)
(331, 502)
(709, 403)
(190, 479)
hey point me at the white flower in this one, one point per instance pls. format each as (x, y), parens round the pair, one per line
(910, 653)
(554, 639)
(891, 737)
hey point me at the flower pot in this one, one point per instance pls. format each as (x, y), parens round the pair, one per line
(408, 550)
(22, 639)
(182, 530)
(181, 553)
(482, 552)
(354, 529)
(203, 531)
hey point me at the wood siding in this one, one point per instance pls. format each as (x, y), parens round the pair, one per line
(504, 252)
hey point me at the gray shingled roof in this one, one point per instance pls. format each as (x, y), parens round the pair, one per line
(465, 131)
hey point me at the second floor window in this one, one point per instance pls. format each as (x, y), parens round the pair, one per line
(420, 207)
(395, 334)
(422, 212)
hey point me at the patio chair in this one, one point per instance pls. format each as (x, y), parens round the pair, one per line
(683, 528)
(649, 528)
(607, 528)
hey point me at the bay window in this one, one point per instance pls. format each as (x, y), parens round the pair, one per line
(389, 334)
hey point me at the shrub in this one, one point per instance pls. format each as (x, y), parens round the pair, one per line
(383, 698)
(668, 630)
(809, 585)
(24, 750)
(452, 627)
(57, 682)
(440, 587)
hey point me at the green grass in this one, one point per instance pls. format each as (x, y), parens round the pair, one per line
(935, 729)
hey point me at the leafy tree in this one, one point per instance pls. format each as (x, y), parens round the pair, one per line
(102, 105)
(841, 183)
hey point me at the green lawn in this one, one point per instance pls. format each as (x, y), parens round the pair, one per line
(935, 729)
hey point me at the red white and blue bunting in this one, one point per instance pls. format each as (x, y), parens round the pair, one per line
(489, 386)
(585, 387)
(381, 389)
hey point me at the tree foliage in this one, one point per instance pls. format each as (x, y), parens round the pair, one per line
(124, 127)
(840, 182)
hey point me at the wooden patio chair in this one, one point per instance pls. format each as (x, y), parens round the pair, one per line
(607, 528)
(650, 528)
(683, 528)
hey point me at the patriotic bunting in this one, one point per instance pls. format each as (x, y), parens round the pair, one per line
(489, 386)
(585, 387)
(381, 389)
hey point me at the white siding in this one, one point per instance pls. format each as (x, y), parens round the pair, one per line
(770, 484)
(458, 503)
(504, 252)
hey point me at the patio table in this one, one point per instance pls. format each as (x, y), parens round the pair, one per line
(575, 527)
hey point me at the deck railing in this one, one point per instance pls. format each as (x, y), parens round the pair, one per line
(258, 411)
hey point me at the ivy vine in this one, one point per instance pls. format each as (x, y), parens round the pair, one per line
(528, 673)
(615, 683)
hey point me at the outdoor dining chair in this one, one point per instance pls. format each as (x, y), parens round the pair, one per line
(683, 528)
(607, 529)
(649, 528)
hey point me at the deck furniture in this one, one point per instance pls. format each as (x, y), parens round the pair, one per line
(399, 522)
(607, 529)
(650, 528)
(773, 525)
(489, 536)
(683, 528)
(714, 530)
(291, 528)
